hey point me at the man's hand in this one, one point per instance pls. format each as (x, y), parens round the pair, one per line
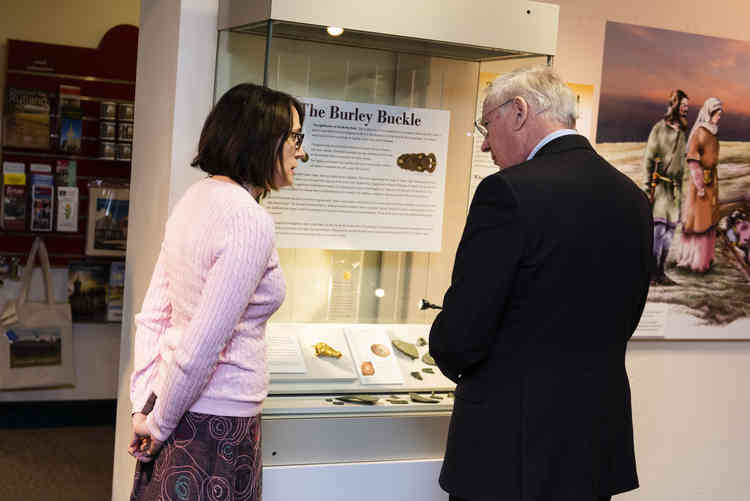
(142, 446)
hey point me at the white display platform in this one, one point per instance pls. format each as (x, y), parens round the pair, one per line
(377, 481)
(331, 376)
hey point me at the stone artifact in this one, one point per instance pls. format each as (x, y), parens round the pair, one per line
(324, 350)
(367, 368)
(380, 350)
(369, 398)
(397, 401)
(421, 341)
(428, 370)
(416, 397)
(418, 162)
(416, 375)
(407, 349)
(359, 399)
(336, 402)
(426, 358)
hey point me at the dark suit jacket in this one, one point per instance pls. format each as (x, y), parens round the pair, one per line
(549, 283)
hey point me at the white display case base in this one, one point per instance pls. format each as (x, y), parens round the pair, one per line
(415, 480)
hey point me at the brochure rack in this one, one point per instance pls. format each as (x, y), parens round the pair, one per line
(103, 77)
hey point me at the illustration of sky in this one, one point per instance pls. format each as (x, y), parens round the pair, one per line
(642, 65)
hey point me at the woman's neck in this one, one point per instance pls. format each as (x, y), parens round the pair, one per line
(255, 191)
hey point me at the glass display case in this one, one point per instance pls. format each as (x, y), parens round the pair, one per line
(363, 285)
(369, 229)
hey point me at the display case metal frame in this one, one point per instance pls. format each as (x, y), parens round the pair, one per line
(510, 26)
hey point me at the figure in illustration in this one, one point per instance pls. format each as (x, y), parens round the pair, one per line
(700, 208)
(736, 227)
(664, 164)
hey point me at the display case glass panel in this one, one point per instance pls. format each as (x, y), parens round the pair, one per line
(368, 285)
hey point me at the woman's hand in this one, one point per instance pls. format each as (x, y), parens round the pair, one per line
(142, 446)
(138, 444)
(696, 173)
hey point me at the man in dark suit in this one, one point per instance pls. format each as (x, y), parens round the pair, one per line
(549, 283)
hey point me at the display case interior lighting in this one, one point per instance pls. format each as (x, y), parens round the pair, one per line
(379, 293)
(335, 31)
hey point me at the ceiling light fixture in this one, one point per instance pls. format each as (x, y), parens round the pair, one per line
(334, 31)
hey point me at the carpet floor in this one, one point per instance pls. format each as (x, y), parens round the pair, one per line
(60, 464)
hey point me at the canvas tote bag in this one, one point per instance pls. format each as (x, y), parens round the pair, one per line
(36, 339)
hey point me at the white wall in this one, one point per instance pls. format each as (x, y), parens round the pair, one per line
(690, 407)
(690, 399)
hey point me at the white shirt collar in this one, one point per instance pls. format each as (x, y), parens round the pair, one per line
(550, 137)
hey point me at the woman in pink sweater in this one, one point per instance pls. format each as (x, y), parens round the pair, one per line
(199, 377)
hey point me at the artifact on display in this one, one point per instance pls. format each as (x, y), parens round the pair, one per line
(367, 369)
(416, 397)
(427, 358)
(418, 162)
(324, 350)
(407, 349)
(380, 350)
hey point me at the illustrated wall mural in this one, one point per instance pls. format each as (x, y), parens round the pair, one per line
(674, 116)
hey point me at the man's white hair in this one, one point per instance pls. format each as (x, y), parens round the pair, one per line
(542, 88)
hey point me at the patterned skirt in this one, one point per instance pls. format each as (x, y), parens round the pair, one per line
(212, 458)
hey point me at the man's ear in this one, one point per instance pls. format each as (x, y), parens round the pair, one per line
(520, 110)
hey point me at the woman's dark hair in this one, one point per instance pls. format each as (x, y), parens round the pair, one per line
(245, 133)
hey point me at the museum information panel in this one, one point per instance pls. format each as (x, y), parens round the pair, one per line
(375, 179)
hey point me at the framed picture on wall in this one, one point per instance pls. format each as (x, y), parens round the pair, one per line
(107, 229)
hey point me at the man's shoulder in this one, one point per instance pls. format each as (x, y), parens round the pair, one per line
(660, 126)
(569, 148)
(544, 172)
(582, 159)
(498, 182)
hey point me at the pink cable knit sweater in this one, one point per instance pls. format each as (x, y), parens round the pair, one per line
(200, 339)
